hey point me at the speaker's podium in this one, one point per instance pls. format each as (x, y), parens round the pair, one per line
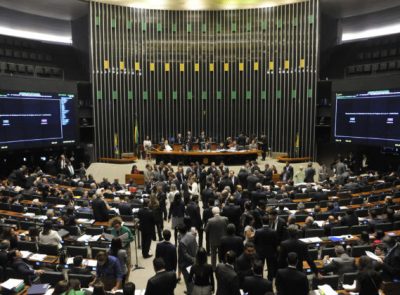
(126, 158)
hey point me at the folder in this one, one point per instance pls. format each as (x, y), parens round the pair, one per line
(38, 289)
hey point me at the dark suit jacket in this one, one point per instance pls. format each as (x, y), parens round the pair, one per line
(251, 182)
(266, 242)
(225, 181)
(163, 282)
(125, 209)
(255, 285)
(349, 220)
(147, 222)
(193, 211)
(227, 280)
(299, 247)
(167, 251)
(233, 213)
(391, 264)
(100, 211)
(244, 266)
(234, 243)
(290, 281)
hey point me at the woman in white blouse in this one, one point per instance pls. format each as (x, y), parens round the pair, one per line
(48, 236)
(147, 147)
(194, 187)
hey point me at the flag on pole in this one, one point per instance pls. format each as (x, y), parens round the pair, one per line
(116, 145)
(297, 145)
(135, 137)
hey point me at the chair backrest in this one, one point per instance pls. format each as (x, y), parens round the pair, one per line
(83, 279)
(48, 249)
(301, 217)
(358, 251)
(340, 230)
(93, 231)
(77, 251)
(25, 225)
(28, 246)
(51, 277)
(349, 278)
(318, 232)
(384, 226)
(313, 253)
(344, 202)
(396, 225)
(332, 281)
(322, 216)
(73, 230)
(96, 250)
(330, 251)
(357, 201)
(358, 229)
(84, 215)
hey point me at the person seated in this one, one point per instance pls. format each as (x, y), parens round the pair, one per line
(340, 264)
(108, 271)
(69, 217)
(74, 288)
(4, 246)
(23, 269)
(61, 288)
(77, 267)
(364, 239)
(10, 235)
(167, 146)
(127, 289)
(390, 265)
(98, 288)
(350, 218)
(48, 236)
(309, 224)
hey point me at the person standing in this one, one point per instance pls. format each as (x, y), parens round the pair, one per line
(256, 284)
(227, 278)
(309, 173)
(163, 282)
(201, 273)
(216, 229)
(187, 251)
(167, 251)
(266, 243)
(146, 227)
(193, 212)
(290, 280)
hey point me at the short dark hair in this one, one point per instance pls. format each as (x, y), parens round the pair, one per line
(249, 245)
(166, 234)
(231, 229)
(258, 267)
(265, 219)
(77, 261)
(292, 258)
(101, 256)
(182, 229)
(129, 288)
(158, 264)
(230, 257)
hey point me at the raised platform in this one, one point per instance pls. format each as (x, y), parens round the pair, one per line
(128, 160)
(284, 159)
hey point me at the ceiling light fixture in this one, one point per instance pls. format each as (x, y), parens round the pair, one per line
(376, 32)
(35, 35)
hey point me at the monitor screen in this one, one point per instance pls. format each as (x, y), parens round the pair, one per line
(367, 117)
(33, 119)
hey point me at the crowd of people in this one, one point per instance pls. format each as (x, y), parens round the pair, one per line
(243, 222)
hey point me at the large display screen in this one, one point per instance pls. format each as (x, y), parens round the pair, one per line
(368, 117)
(33, 119)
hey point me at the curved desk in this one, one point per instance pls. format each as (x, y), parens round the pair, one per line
(205, 157)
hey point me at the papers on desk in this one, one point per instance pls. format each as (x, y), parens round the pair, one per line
(29, 214)
(13, 284)
(85, 221)
(87, 262)
(311, 240)
(25, 254)
(60, 206)
(320, 223)
(326, 290)
(373, 256)
(40, 217)
(140, 292)
(349, 287)
(88, 238)
(38, 257)
(109, 237)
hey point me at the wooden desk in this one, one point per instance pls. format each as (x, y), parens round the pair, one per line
(205, 157)
(137, 178)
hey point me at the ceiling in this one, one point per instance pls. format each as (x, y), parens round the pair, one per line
(59, 9)
(72, 9)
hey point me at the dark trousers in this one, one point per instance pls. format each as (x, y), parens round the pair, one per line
(189, 284)
(146, 242)
(263, 154)
(272, 265)
(208, 244)
(200, 231)
(164, 212)
(159, 227)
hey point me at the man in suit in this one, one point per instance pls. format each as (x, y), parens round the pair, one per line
(277, 224)
(216, 229)
(100, 207)
(258, 195)
(350, 218)
(230, 242)
(187, 251)
(309, 173)
(391, 263)
(266, 242)
(234, 179)
(290, 280)
(207, 214)
(146, 227)
(167, 251)
(163, 281)
(224, 182)
(232, 212)
(292, 244)
(256, 284)
(252, 180)
(287, 173)
(340, 264)
(22, 269)
(4, 245)
(244, 263)
(227, 278)
(193, 211)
